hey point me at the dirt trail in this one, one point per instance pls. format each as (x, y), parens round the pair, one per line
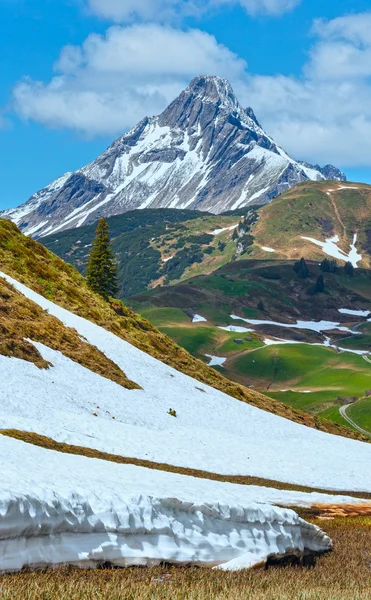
(333, 202)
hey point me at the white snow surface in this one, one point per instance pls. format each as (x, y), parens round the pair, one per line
(318, 326)
(199, 319)
(64, 509)
(219, 231)
(57, 508)
(210, 430)
(355, 313)
(215, 361)
(236, 329)
(326, 344)
(331, 248)
(266, 249)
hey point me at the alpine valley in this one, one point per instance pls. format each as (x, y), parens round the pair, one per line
(216, 413)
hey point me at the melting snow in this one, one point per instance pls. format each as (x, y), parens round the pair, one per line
(64, 509)
(236, 329)
(58, 508)
(215, 361)
(199, 319)
(318, 326)
(355, 313)
(143, 428)
(266, 249)
(331, 248)
(326, 344)
(219, 231)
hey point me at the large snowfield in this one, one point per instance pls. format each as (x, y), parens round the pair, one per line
(57, 508)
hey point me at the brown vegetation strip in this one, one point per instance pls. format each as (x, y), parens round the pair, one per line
(33, 265)
(343, 574)
(22, 319)
(49, 444)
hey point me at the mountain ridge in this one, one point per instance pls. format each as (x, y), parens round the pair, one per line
(203, 152)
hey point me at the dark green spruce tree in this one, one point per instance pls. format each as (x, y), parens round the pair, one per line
(319, 288)
(101, 272)
(301, 268)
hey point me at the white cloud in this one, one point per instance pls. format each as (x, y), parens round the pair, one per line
(113, 81)
(325, 115)
(163, 10)
(269, 7)
(148, 10)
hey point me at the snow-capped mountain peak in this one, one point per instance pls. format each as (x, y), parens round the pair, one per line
(205, 152)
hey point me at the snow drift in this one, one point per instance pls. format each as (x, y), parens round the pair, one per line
(57, 508)
(61, 509)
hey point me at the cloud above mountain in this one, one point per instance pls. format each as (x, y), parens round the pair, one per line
(123, 11)
(112, 81)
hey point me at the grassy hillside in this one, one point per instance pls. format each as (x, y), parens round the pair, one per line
(32, 264)
(165, 246)
(154, 247)
(272, 291)
(320, 210)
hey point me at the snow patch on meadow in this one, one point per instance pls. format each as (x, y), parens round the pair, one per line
(318, 326)
(215, 361)
(199, 319)
(331, 248)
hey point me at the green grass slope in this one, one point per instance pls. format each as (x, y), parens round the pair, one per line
(272, 291)
(319, 210)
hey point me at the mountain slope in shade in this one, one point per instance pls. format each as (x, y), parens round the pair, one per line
(203, 152)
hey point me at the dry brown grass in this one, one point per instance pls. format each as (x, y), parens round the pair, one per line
(49, 444)
(21, 319)
(32, 264)
(344, 574)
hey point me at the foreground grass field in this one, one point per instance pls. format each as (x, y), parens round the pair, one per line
(344, 574)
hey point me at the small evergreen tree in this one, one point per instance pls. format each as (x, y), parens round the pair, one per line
(325, 265)
(261, 305)
(301, 268)
(101, 271)
(319, 288)
(349, 269)
(333, 266)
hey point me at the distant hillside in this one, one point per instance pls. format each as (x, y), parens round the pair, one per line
(167, 246)
(260, 323)
(337, 218)
(155, 247)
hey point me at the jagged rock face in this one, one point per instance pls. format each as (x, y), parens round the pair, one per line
(203, 152)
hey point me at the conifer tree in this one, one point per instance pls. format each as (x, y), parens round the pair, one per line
(325, 265)
(101, 271)
(320, 285)
(349, 269)
(301, 268)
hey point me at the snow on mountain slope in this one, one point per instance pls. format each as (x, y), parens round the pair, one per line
(63, 509)
(212, 430)
(203, 152)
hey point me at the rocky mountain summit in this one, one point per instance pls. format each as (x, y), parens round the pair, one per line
(205, 152)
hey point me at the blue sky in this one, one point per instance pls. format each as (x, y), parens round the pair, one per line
(77, 73)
